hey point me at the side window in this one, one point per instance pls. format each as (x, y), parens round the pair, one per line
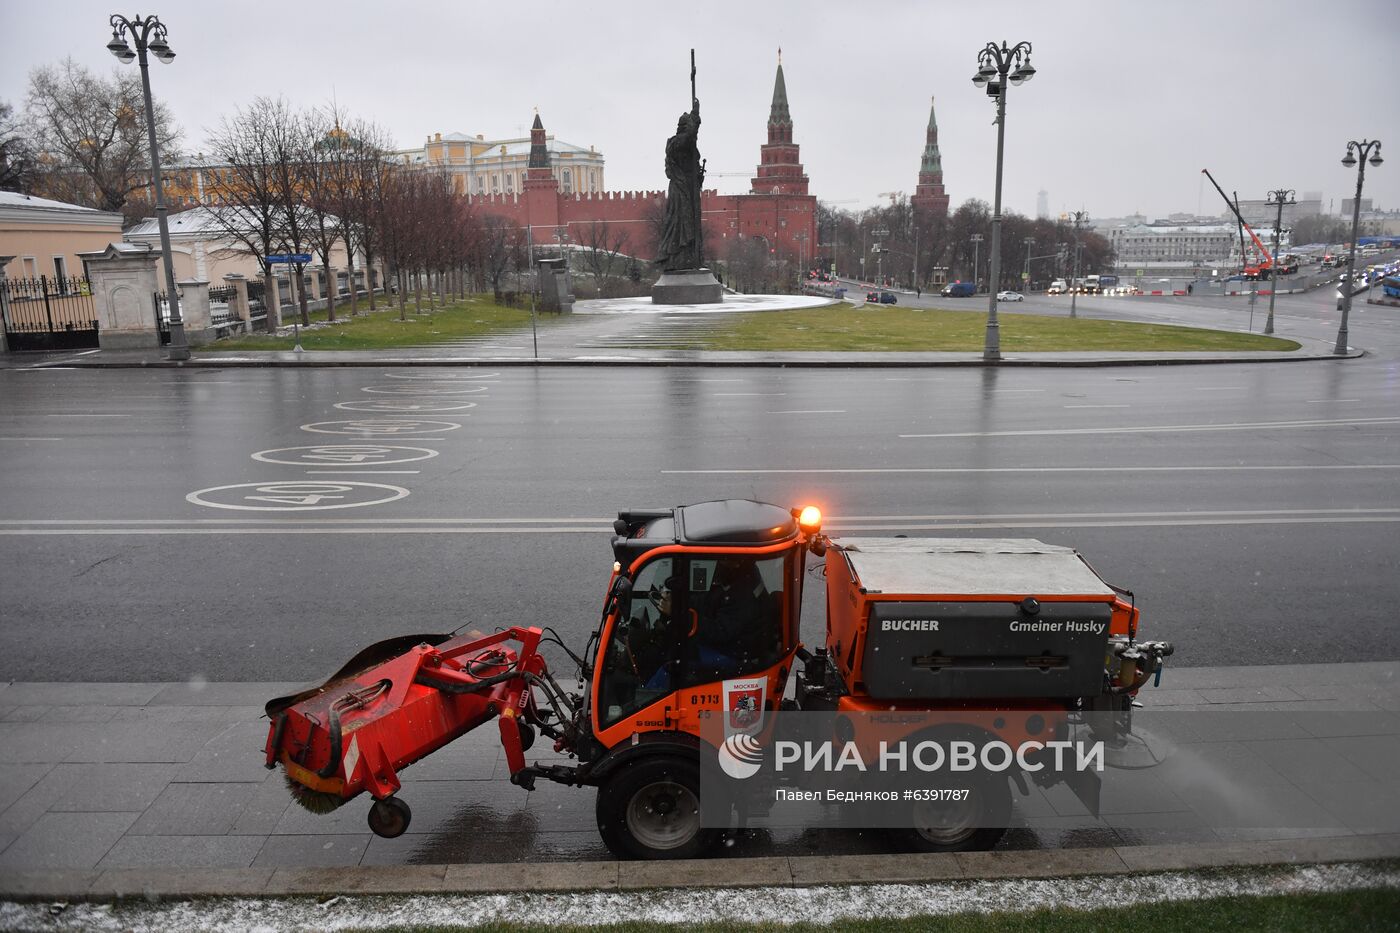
(735, 605)
(641, 651)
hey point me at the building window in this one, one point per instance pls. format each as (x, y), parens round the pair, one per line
(495, 184)
(510, 183)
(568, 180)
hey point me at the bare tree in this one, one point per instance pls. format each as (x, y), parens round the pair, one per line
(495, 250)
(91, 132)
(243, 182)
(362, 203)
(17, 165)
(602, 245)
(321, 164)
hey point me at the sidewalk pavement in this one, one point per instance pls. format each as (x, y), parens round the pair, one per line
(637, 340)
(109, 788)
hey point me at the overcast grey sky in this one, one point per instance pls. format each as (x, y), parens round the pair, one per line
(1131, 99)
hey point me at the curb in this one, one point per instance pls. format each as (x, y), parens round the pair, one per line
(795, 871)
(826, 363)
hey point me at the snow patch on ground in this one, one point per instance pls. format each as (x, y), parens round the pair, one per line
(830, 904)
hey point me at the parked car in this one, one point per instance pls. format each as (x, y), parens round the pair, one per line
(887, 298)
(872, 297)
(1010, 296)
(959, 290)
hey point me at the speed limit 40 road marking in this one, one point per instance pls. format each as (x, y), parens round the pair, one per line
(295, 496)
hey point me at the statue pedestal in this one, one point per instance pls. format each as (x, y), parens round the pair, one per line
(691, 287)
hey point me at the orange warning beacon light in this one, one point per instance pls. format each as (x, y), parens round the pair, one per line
(810, 520)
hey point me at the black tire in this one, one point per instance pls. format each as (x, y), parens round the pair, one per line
(974, 825)
(650, 809)
(389, 817)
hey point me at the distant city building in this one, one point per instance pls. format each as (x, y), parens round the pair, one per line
(1348, 205)
(1172, 248)
(482, 167)
(929, 195)
(1262, 213)
(1042, 204)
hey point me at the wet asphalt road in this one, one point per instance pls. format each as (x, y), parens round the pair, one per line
(1252, 508)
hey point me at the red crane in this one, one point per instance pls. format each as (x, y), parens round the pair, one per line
(1264, 266)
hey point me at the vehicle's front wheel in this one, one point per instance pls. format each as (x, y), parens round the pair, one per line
(650, 809)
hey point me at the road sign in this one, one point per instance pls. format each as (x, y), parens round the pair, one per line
(281, 258)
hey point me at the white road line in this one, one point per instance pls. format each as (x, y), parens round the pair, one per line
(1097, 406)
(1218, 388)
(1018, 390)
(763, 394)
(32, 438)
(1114, 469)
(1320, 401)
(1168, 428)
(57, 414)
(301, 528)
(342, 472)
(810, 411)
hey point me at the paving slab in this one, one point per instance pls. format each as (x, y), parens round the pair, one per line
(232, 753)
(398, 879)
(45, 742)
(228, 693)
(65, 694)
(195, 809)
(138, 742)
(65, 841)
(311, 851)
(848, 869)
(96, 788)
(186, 852)
(17, 779)
(706, 873)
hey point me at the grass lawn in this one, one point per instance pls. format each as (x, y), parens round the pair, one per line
(1346, 912)
(840, 327)
(474, 317)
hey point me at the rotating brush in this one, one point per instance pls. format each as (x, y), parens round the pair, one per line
(315, 801)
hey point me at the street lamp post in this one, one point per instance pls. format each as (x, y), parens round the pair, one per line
(976, 258)
(1026, 276)
(1280, 197)
(149, 34)
(879, 234)
(1080, 219)
(1365, 148)
(999, 65)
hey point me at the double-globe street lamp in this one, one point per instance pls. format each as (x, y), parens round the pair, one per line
(149, 35)
(999, 65)
(1279, 197)
(976, 258)
(1080, 219)
(1366, 148)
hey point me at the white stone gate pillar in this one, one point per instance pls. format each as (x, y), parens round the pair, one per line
(4, 303)
(124, 283)
(194, 310)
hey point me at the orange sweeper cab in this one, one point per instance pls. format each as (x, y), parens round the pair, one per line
(705, 596)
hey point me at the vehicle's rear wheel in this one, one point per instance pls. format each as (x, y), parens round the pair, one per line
(972, 824)
(650, 809)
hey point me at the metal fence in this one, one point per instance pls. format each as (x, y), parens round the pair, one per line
(49, 313)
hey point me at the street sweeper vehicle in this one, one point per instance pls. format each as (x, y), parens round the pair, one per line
(1004, 638)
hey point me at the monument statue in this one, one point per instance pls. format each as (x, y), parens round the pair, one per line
(681, 239)
(680, 254)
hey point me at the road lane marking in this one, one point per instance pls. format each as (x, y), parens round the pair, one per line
(1088, 469)
(59, 414)
(1218, 388)
(1169, 428)
(342, 472)
(763, 394)
(1097, 406)
(810, 411)
(601, 526)
(295, 496)
(1319, 401)
(345, 455)
(32, 438)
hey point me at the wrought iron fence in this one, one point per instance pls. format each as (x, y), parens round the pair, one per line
(49, 313)
(160, 304)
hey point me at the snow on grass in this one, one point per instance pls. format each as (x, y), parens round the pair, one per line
(830, 904)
